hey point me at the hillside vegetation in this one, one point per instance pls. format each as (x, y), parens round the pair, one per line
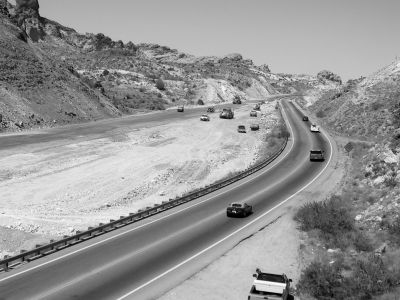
(356, 232)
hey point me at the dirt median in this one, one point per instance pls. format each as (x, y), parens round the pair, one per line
(55, 188)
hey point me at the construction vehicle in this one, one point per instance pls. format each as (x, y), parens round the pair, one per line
(226, 113)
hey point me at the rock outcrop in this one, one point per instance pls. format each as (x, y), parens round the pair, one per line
(28, 5)
(328, 75)
(27, 17)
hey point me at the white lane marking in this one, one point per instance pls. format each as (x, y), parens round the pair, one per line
(236, 231)
(102, 268)
(269, 167)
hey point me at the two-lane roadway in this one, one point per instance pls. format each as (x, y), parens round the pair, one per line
(144, 260)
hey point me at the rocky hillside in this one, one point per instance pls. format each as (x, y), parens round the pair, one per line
(52, 75)
(366, 107)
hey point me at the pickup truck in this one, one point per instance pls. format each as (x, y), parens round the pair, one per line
(317, 155)
(270, 286)
(314, 128)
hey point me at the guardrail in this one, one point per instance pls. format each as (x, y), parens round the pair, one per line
(43, 250)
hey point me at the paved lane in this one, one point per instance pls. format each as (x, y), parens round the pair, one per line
(123, 261)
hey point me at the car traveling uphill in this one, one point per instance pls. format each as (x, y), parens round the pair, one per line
(270, 286)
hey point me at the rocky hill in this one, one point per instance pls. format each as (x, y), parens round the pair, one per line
(366, 107)
(52, 75)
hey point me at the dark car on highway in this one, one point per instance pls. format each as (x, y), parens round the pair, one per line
(181, 109)
(239, 210)
(317, 155)
(254, 127)
(305, 118)
(242, 129)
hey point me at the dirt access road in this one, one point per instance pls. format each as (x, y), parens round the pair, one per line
(64, 184)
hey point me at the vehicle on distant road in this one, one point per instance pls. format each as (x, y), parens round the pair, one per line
(253, 113)
(241, 129)
(204, 118)
(181, 109)
(270, 286)
(305, 118)
(254, 127)
(257, 106)
(314, 128)
(226, 113)
(211, 109)
(236, 100)
(239, 210)
(317, 155)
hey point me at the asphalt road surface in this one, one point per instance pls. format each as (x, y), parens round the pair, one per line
(99, 129)
(148, 258)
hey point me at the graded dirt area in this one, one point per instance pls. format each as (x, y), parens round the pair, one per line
(57, 188)
(276, 248)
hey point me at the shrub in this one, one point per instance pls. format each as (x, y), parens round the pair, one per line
(362, 242)
(329, 216)
(367, 278)
(371, 276)
(394, 229)
(160, 84)
(322, 281)
(320, 114)
(200, 102)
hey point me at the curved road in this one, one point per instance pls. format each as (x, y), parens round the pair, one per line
(146, 259)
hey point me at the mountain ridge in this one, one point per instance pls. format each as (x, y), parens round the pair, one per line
(61, 76)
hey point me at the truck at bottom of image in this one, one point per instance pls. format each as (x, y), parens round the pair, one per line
(270, 286)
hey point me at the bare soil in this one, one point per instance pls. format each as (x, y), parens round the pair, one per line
(54, 189)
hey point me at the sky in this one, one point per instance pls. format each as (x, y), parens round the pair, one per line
(352, 38)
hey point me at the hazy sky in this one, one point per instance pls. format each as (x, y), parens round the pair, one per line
(348, 37)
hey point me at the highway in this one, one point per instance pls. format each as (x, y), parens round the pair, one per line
(98, 129)
(148, 258)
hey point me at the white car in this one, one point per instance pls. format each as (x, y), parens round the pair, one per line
(314, 128)
(204, 118)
